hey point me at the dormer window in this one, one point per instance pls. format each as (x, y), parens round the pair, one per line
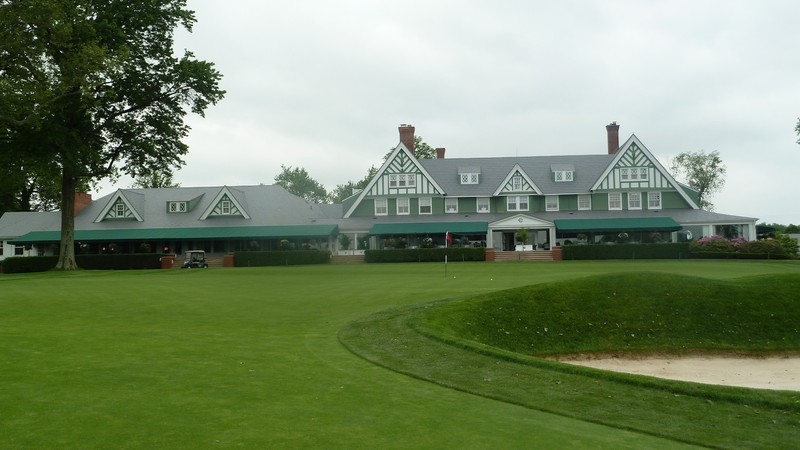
(469, 175)
(177, 207)
(516, 183)
(563, 172)
(563, 175)
(119, 209)
(469, 178)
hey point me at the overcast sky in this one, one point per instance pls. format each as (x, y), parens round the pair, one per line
(323, 85)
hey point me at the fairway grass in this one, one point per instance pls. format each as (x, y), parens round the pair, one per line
(250, 358)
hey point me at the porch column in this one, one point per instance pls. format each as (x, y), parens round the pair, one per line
(552, 231)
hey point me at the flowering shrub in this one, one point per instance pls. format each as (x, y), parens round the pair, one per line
(714, 243)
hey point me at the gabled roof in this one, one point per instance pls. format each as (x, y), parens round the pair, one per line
(527, 186)
(238, 202)
(401, 148)
(634, 142)
(129, 199)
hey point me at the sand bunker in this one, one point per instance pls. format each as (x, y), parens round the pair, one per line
(780, 373)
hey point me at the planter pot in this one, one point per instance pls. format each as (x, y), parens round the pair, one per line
(524, 248)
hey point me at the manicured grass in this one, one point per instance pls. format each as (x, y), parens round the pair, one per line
(250, 358)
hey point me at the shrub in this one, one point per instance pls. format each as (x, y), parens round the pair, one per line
(771, 248)
(281, 258)
(24, 264)
(712, 244)
(425, 255)
(627, 251)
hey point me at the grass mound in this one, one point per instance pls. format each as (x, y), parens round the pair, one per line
(491, 345)
(638, 313)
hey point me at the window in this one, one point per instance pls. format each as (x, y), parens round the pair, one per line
(633, 174)
(516, 183)
(517, 203)
(177, 207)
(634, 200)
(425, 205)
(551, 203)
(119, 209)
(380, 207)
(411, 180)
(614, 200)
(584, 202)
(40, 251)
(225, 207)
(402, 207)
(451, 205)
(401, 180)
(19, 250)
(654, 200)
(2, 244)
(469, 178)
(482, 204)
(563, 175)
(393, 180)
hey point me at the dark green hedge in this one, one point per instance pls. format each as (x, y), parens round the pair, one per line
(119, 262)
(281, 258)
(425, 255)
(24, 264)
(627, 251)
(737, 255)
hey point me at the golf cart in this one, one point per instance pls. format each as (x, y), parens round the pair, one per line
(195, 259)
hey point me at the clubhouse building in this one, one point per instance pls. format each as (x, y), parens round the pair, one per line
(624, 195)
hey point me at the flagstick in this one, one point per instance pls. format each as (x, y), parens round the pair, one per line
(446, 235)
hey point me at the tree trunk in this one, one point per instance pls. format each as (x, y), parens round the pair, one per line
(66, 254)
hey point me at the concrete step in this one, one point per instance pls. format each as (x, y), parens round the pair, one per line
(347, 259)
(537, 255)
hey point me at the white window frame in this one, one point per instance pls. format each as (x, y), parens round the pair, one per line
(225, 207)
(392, 180)
(563, 175)
(517, 203)
(644, 174)
(483, 205)
(634, 200)
(403, 206)
(19, 250)
(381, 207)
(119, 209)
(654, 200)
(615, 198)
(584, 202)
(2, 247)
(624, 174)
(177, 207)
(516, 183)
(427, 203)
(549, 204)
(451, 205)
(470, 178)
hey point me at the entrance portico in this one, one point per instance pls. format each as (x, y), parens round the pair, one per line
(502, 234)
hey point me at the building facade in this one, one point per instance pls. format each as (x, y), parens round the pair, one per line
(529, 203)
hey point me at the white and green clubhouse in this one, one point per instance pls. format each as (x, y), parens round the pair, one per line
(624, 194)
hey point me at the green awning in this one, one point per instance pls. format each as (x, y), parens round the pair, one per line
(145, 234)
(618, 224)
(430, 228)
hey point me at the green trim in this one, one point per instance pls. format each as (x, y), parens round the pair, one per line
(429, 228)
(288, 231)
(618, 224)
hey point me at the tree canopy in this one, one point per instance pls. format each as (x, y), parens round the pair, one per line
(701, 171)
(297, 181)
(90, 89)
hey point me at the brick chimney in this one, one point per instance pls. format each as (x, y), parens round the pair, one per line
(407, 137)
(613, 137)
(440, 153)
(82, 200)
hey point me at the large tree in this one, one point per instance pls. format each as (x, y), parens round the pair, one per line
(93, 88)
(297, 181)
(701, 171)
